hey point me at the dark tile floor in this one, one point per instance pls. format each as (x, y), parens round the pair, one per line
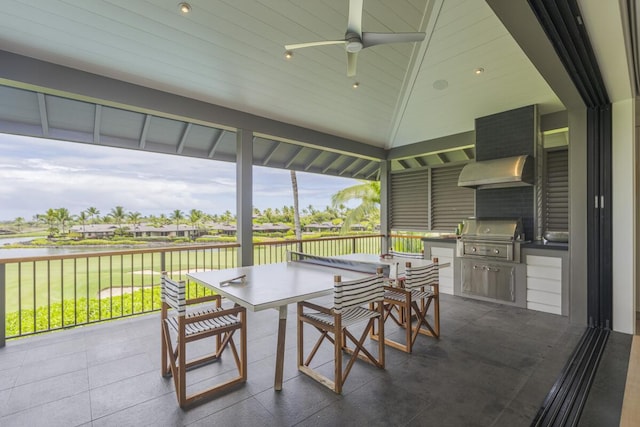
(492, 366)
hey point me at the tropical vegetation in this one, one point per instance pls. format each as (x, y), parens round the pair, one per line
(56, 223)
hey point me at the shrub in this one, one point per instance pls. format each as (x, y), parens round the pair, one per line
(180, 239)
(83, 311)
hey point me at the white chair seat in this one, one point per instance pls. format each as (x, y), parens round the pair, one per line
(404, 303)
(349, 317)
(416, 295)
(205, 325)
(186, 320)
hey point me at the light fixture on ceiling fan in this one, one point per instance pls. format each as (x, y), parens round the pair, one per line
(355, 40)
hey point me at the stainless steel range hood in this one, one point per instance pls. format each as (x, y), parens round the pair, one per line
(498, 173)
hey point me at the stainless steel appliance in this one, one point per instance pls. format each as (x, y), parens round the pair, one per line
(489, 251)
(499, 173)
(494, 239)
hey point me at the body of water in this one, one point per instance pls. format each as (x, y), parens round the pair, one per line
(29, 252)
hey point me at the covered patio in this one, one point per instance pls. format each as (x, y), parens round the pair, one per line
(492, 366)
(229, 99)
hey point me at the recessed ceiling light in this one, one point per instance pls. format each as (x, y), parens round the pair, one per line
(184, 7)
(288, 54)
(478, 71)
(356, 85)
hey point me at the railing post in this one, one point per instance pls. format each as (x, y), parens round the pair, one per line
(353, 245)
(163, 264)
(3, 307)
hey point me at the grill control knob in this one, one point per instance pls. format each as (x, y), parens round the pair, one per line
(473, 249)
(496, 251)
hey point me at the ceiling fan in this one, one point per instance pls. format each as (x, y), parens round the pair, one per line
(355, 40)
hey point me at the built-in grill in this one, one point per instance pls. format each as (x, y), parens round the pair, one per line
(489, 252)
(491, 239)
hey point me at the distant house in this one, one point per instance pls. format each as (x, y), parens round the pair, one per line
(224, 229)
(230, 229)
(271, 228)
(98, 231)
(318, 227)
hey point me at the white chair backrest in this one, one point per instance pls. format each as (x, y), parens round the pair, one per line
(357, 292)
(412, 255)
(426, 275)
(173, 293)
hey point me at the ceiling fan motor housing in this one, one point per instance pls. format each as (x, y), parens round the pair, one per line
(353, 42)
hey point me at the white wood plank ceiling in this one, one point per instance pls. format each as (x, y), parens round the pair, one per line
(230, 53)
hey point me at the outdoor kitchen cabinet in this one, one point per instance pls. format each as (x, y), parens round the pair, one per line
(547, 280)
(489, 280)
(444, 250)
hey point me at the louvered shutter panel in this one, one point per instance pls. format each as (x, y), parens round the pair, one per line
(409, 201)
(450, 204)
(556, 197)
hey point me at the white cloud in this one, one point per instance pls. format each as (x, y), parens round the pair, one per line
(38, 174)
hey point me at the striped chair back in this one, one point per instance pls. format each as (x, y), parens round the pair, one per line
(173, 294)
(357, 292)
(419, 276)
(414, 255)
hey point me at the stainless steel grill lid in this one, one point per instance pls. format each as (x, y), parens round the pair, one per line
(492, 229)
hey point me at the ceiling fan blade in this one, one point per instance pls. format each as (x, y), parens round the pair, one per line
(354, 25)
(311, 44)
(352, 61)
(372, 39)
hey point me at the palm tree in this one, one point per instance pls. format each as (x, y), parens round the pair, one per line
(296, 211)
(134, 218)
(50, 218)
(118, 214)
(227, 216)
(177, 216)
(268, 214)
(83, 217)
(195, 218)
(18, 222)
(155, 221)
(94, 214)
(163, 220)
(368, 192)
(63, 216)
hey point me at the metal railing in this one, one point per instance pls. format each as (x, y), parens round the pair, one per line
(40, 294)
(270, 252)
(406, 243)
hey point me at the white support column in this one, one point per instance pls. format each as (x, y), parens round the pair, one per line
(384, 204)
(244, 196)
(623, 201)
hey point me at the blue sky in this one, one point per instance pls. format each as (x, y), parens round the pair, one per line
(38, 174)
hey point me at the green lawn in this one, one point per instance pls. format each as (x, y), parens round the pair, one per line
(49, 294)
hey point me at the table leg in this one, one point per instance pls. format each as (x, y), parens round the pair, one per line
(282, 331)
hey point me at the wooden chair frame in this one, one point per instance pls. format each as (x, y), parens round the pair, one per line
(174, 360)
(401, 306)
(336, 332)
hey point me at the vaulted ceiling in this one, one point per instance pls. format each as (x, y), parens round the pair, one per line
(229, 53)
